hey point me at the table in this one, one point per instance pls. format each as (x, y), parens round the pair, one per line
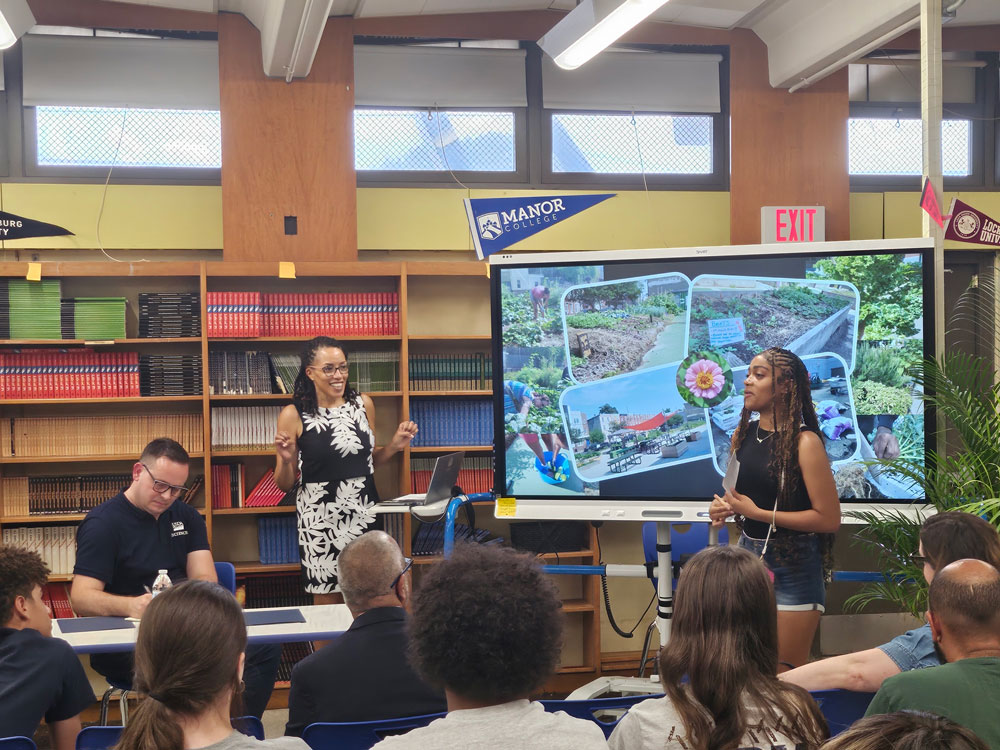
(323, 622)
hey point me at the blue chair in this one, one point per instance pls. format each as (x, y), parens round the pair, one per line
(251, 726)
(682, 547)
(605, 712)
(226, 573)
(98, 738)
(360, 735)
(17, 743)
(841, 708)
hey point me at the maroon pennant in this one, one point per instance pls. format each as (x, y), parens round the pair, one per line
(969, 224)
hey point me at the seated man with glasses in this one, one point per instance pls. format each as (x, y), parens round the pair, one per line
(147, 527)
(364, 675)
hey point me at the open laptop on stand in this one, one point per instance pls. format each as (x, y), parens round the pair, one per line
(443, 478)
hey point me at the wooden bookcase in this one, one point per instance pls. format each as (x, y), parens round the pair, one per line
(443, 308)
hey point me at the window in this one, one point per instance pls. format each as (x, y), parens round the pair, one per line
(627, 144)
(877, 146)
(432, 140)
(105, 136)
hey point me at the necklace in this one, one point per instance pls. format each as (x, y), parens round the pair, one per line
(759, 438)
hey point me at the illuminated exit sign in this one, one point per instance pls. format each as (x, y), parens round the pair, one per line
(792, 224)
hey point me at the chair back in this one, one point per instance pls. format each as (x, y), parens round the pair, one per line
(683, 544)
(605, 712)
(226, 573)
(841, 708)
(98, 738)
(360, 735)
(17, 743)
(251, 726)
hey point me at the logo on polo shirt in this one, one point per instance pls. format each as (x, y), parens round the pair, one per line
(179, 529)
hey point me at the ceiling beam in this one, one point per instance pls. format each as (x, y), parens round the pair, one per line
(99, 14)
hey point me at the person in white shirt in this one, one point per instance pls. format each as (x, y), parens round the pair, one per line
(487, 627)
(724, 638)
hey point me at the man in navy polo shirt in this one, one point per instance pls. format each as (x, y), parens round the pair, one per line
(40, 676)
(125, 541)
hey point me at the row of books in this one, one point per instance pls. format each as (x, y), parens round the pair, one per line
(93, 318)
(30, 309)
(49, 495)
(429, 538)
(455, 372)
(55, 544)
(58, 373)
(277, 540)
(476, 474)
(244, 427)
(229, 486)
(241, 373)
(291, 654)
(170, 374)
(169, 314)
(125, 435)
(245, 314)
(452, 421)
(272, 590)
(56, 595)
(370, 371)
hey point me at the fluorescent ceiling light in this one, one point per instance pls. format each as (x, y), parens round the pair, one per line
(15, 20)
(591, 26)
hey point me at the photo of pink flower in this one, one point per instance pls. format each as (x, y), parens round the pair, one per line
(705, 379)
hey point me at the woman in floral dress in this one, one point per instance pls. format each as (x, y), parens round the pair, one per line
(326, 437)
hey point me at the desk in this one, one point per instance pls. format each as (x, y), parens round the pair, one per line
(323, 622)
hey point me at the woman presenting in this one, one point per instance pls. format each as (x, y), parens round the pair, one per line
(785, 498)
(326, 435)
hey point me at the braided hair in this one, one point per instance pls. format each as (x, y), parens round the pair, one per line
(792, 407)
(304, 391)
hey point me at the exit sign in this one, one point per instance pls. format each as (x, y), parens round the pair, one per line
(792, 224)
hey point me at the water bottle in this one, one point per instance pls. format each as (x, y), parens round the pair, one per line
(162, 582)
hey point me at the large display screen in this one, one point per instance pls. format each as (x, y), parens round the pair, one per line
(622, 378)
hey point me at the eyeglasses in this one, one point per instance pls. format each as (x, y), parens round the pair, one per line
(160, 487)
(408, 562)
(330, 369)
(918, 559)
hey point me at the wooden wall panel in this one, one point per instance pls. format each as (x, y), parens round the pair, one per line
(287, 150)
(111, 15)
(787, 149)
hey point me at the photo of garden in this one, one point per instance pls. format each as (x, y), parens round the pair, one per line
(633, 423)
(623, 326)
(741, 316)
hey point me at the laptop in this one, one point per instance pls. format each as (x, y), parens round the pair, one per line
(443, 478)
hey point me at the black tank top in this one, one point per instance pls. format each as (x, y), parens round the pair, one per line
(756, 482)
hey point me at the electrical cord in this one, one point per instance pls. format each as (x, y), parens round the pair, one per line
(607, 597)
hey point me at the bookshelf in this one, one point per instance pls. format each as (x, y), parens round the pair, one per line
(428, 332)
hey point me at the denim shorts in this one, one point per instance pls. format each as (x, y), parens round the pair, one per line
(798, 573)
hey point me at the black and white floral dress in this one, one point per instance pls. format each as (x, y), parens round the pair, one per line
(336, 493)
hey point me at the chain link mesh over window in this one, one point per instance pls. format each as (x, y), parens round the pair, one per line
(612, 144)
(433, 141)
(892, 147)
(89, 137)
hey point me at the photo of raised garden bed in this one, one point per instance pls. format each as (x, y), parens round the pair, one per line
(617, 327)
(741, 316)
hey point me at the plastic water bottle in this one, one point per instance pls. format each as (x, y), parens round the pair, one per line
(162, 582)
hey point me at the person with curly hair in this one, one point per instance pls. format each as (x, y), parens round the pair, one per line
(487, 628)
(785, 499)
(905, 730)
(944, 538)
(40, 676)
(326, 437)
(724, 642)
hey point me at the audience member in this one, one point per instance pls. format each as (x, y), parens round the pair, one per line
(40, 676)
(905, 730)
(964, 615)
(375, 582)
(125, 541)
(189, 658)
(487, 628)
(724, 638)
(944, 538)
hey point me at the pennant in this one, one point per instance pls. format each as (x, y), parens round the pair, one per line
(972, 225)
(14, 227)
(929, 202)
(497, 223)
